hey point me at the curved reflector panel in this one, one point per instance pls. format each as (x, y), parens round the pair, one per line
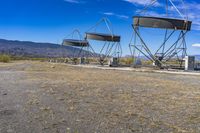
(77, 43)
(163, 23)
(103, 37)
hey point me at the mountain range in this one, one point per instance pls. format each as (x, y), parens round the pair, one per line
(35, 49)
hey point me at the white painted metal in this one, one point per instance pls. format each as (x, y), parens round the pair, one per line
(189, 63)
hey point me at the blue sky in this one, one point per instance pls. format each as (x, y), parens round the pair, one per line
(52, 20)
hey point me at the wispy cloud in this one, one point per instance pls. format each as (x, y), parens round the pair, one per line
(153, 13)
(196, 45)
(189, 10)
(143, 2)
(116, 15)
(73, 1)
(192, 12)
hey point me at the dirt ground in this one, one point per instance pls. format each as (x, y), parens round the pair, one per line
(38, 97)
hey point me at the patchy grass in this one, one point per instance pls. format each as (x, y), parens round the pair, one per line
(61, 98)
(18, 58)
(4, 58)
(126, 61)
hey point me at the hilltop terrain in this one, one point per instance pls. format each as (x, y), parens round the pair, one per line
(35, 49)
(58, 98)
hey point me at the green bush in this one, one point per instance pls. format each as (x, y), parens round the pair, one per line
(18, 58)
(4, 58)
(127, 61)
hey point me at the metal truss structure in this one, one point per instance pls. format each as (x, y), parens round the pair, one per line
(109, 43)
(81, 47)
(168, 50)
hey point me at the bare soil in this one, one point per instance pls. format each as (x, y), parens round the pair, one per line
(39, 97)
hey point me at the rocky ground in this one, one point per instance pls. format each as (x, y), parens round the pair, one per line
(38, 97)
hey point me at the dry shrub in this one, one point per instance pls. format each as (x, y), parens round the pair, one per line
(4, 58)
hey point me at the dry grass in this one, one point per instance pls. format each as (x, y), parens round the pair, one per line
(72, 99)
(4, 58)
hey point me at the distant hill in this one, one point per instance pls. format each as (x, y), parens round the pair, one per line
(197, 57)
(34, 49)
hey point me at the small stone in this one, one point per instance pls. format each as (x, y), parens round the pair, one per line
(10, 131)
(61, 98)
(4, 94)
(71, 108)
(78, 120)
(45, 108)
(63, 120)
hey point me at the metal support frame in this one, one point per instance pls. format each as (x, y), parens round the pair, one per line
(79, 50)
(110, 43)
(176, 51)
(165, 52)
